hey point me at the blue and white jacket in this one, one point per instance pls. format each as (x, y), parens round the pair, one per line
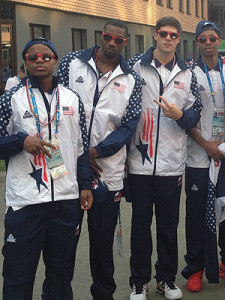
(112, 116)
(196, 155)
(215, 214)
(28, 178)
(159, 145)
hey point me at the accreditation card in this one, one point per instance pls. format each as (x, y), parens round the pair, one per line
(56, 164)
(218, 121)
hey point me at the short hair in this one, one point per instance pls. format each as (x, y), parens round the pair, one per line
(168, 21)
(117, 23)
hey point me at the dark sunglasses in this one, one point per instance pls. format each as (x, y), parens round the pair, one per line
(212, 38)
(164, 34)
(118, 40)
(33, 57)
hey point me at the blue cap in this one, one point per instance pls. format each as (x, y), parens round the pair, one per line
(39, 40)
(205, 25)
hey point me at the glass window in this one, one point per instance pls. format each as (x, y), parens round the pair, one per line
(98, 35)
(6, 38)
(188, 6)
(139, 43)
(37, 30)
(79, 39)
(196, 8)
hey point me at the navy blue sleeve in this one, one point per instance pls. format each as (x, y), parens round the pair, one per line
(192, 115)
(84, 172)
(122, 135)
(9, 144)
(64, 65)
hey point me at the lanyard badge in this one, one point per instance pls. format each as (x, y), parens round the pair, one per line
(55, 164)
(218, 113)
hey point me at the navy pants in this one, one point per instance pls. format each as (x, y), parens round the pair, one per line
(222, 241)
(163, 192)
(196, 181)
(102, 220)
(49, 227)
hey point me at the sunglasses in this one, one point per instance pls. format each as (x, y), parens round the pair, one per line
(212, 39)
(164, 34)
(108, 37)
(33, 57)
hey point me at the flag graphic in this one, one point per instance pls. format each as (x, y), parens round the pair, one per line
(119, 87)
(179, 85)
(68, 110)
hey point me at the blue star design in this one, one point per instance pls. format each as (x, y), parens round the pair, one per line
(37, 175)
(143, 149)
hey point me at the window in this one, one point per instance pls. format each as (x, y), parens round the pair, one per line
(37, 30)
(79, 39)
(7, 11)
(98, 35)
(202, 9)
(159, 2)
(195, 50)
(188, 7)
(185, 46)
(169, 3)
(196, 8)
(181, 6)
(139, 43)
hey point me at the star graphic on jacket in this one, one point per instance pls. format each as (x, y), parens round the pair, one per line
(143, 149)
(37, 175)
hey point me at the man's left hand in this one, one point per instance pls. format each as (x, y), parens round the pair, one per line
(170, 110)
(86, 199)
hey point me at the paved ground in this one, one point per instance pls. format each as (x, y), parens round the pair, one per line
(82, 277)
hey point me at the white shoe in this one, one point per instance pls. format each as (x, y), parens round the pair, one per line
(170, 290)
(139, 292)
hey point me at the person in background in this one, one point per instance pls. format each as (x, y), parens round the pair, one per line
(202, 146)
(170, 105)
(43, 134)
(111, 92)
(13, 81)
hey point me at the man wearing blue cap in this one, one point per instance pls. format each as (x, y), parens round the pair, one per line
(202, 147)
(43, 134)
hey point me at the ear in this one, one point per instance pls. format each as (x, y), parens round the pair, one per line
(220, 41)
(126, 42)
(155, 36)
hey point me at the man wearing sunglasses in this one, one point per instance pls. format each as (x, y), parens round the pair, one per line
(111, 92)
(202, 147)
(43, 134)
(170, 105)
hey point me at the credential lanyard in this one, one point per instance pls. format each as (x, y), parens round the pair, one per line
(209, 80)
(36, 113)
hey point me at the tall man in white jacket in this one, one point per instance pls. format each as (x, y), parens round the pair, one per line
(202, 147)
(170, 104)
(42, 194)
(111, 92)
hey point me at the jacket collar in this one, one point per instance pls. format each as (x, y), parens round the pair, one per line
(201, 65)
(36, 83)
(91, 54)
(148, 57)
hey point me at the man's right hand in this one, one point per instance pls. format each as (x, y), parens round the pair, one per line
(36, 146)
(211, 148)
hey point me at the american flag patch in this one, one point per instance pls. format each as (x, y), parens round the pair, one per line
(68, 110)
(119, 87)
(179, 85)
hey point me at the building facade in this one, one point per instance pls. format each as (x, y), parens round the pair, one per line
(75, 24)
